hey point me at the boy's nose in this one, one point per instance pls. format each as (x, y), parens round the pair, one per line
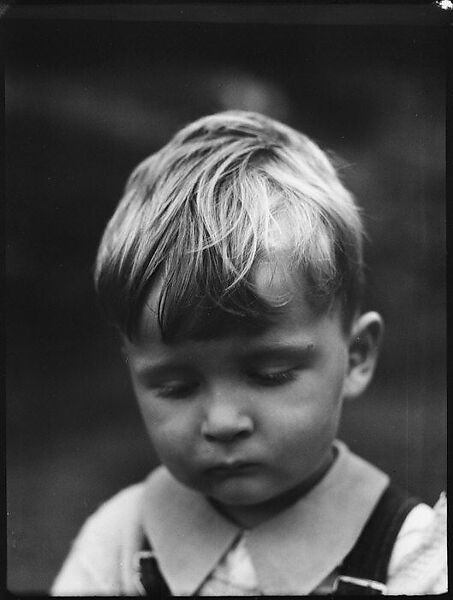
(223, 423)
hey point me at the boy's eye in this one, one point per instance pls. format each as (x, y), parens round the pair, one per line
(175, 389)
(273, 377)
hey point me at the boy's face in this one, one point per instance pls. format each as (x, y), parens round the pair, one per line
(247, 418)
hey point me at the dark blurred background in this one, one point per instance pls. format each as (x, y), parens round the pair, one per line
(87, 100)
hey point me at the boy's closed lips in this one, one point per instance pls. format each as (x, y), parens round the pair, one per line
(233, 469)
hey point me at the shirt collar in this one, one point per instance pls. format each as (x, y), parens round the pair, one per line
(292, 552)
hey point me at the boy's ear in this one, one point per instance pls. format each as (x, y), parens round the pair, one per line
(364, 344)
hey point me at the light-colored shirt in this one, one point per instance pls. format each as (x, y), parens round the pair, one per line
(295, 553)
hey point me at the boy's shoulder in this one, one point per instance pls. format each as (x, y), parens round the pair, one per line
(419, 558)
(120, 516)
(99, 559)
(115, 516)
(116, 512)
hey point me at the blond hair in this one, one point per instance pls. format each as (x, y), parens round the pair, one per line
(228, 191)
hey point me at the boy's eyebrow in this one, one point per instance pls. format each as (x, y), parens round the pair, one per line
(159, 369)
(280, 350)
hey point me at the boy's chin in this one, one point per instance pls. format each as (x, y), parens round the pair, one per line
(248, 506)
(240, 493)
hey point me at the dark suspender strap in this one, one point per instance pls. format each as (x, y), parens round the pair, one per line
(150, 579)
(370, 557)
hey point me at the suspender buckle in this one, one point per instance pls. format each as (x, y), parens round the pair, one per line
(345, 585)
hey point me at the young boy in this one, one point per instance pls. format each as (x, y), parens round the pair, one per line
(232, 268)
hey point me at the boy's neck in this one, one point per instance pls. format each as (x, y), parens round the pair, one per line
(249, 517)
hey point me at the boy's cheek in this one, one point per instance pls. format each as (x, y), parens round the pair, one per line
(178, 456)
(167, 445)
(155, 411)
(171, 438)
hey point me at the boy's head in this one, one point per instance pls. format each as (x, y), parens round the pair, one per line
(227, 192)
(233, 268)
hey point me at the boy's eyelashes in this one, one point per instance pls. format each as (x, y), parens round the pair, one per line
(184, 389)
(269, 378)
(176, 389)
